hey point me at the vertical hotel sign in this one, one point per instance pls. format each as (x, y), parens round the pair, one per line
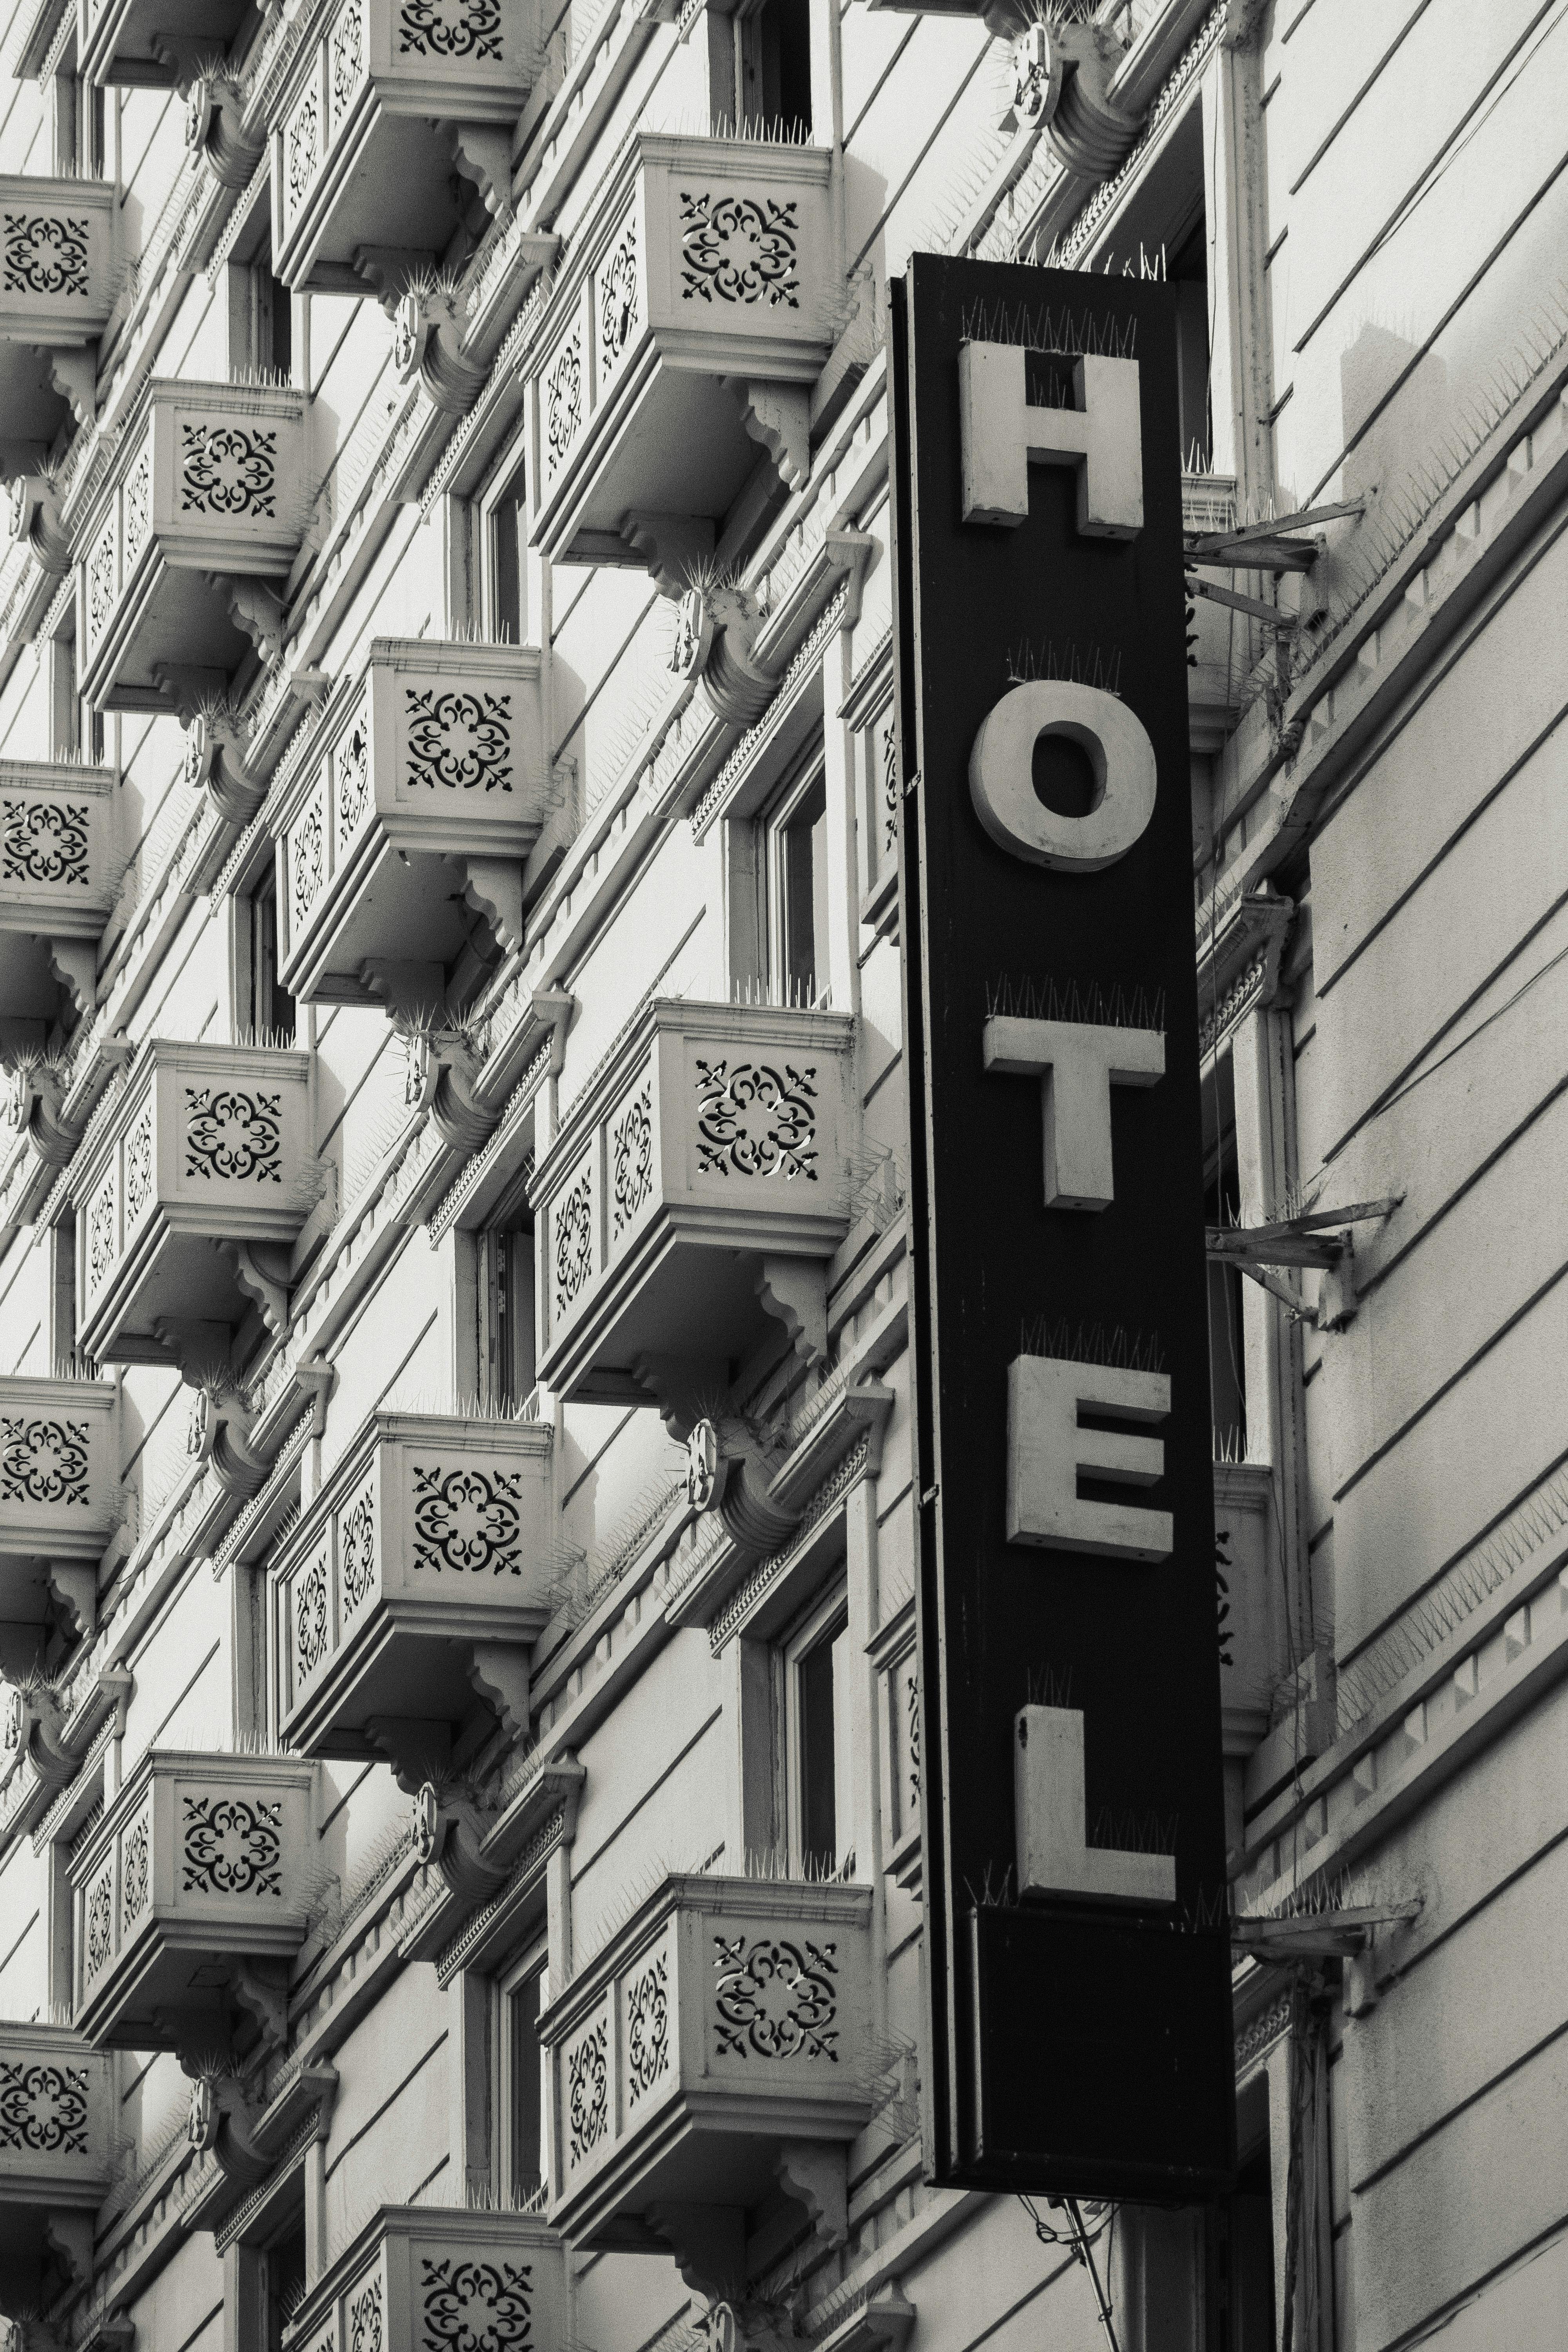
(1077, 1955)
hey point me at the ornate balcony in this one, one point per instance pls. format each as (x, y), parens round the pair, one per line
(56, 290)
(206, 1145)
(696, 1187)
(415, 1581)
(445, 2278)
(197, 521)
(717, 2045)
(382, 106)
(430, 788)
(193, 1889)
(139, 41)
(58, 877)
(57, 2104)
(689, 332)
(59, 1492)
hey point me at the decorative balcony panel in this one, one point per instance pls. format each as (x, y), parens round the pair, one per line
(57, 2138)
(203, 506)
(439, 2280)
(371, 125)
(57, 270)
(197, 1872)
(59, 1468)
(135, 40)
(726, 2022)
(56, 849)
(206, 1144)
(433, 777)
(696, 1185)
(430, 1539)
(688, 336)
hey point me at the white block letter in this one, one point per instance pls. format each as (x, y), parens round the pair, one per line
(1002, 780)
(1001, 435)
(1077, 1062)
(1049, 1816)
(1046, 1449)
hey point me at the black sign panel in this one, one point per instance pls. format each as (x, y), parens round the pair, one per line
(1073, 1866)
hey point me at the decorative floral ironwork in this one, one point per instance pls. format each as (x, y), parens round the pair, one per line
(619, 303)
(631, 1158)
(755, 1120)
(135, 1856)
(449, 28)
(139, 1167)
(301, 141)
(350, 768)
(364, 2329)
(101, 581)
(101, 1248)
(468, 1520)
(889, 787)
(356, 1551)
(775, 1999)
(588, 2090)
(458, 739)
(226, 471)
(348, 60)
(44, 842)
(563, 401)
(43, 1463)
(233, 1845)
(308, 862)
(138, 507)
(573, 1241)
(99, 1920)
(647, 2028)
(913, 1734)
(311, 1620)
(45, 254)
(739, 250)
(233, 1134)
(472, 2307)
(43, 2109)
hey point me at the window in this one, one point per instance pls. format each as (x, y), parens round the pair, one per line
(507, 526)
(773, 64)
(1221, 1206)
(282, 2281)
(1251, 2232)
(817, 1757)
(272, 321)
(794, 882)
(519, 2107)
(271, 1011)
(506, 1317)
(1164, 226)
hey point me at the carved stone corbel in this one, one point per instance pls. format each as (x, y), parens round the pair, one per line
(684, 1388)
(815, 2173)
(213, 129)
(35, 1098)
(255, 608)
(215, 763)
(221, 2123)
(493, 888)
(74, 375)
(74, 963)
(498, 1672)
(794, 1290)
(74, 1584)
(441, 1070)
(261, 1269)
(449, 1825)
(778, 417)
(70, 2235)
(36, 522)
(417, 1747)
(748, 2327)
(219, 1434)
(482, 152)
(1061, 83)
(731, 1461)
(428, 342)
(708, 2244)
(714, 638)
(200, 1348)
(670, 547)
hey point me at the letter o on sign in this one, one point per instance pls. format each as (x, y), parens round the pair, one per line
(1001, 775)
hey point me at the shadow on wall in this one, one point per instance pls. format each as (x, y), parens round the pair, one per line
(1413, 419)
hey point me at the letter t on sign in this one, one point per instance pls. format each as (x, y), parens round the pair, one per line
(1077, 1062)
(1046, 1449)
(1001, 433)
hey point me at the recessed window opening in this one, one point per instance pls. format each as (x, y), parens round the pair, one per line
(1163, 227)
(772, 67)
(794, 876)
(1221, 1206)
(817, 1703)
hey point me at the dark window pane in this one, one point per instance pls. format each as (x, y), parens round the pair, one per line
(523, 2027)
(818, 1797)
(506, 526)
(804, 896)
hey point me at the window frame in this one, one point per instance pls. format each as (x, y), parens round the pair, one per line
(821, 1626)
(530, 1963)
(779, 816)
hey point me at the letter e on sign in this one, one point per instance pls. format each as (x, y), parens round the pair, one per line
(1120, 754)
(1046, 1449)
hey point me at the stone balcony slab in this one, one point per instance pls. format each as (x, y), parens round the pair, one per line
(59, 1468)
(135, 42)
(722, 2029)
(191, 1892)
(426, 794)
(187, 544)
(187, 1197)
(57, 2102)
(682, 344)
(444, 2279)
(387, 100)
(697, 1186)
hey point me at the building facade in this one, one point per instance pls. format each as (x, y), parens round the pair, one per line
(460, 1859)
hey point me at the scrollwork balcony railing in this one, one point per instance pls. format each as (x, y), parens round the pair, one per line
(197, 521)
(56, 2106)
(414, 1583)
(56, 290)
(696, 313)
(191, 1892)
(59, 1468)
(442, 2278)
(724, 2027)
(429, 785)
(697, 1186)
(205, 1144)
(57, 874)
(152, 40)
(384, 106)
